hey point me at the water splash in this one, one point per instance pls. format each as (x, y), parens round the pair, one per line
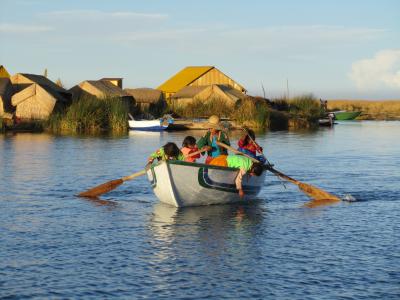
(349, 198)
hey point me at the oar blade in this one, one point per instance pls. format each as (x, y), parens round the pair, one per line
(102, 188)
(316, 193)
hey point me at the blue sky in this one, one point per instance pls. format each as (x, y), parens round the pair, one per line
(333, 49)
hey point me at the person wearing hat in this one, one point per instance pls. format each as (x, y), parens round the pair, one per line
(209, 141)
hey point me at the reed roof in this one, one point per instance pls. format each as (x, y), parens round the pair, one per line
(230, 91)
(104, 87)
(25, 78)
(5, 85)
(4, 72)
(190, 91)
(145, 95)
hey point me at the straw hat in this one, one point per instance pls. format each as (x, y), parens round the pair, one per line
(213, 122)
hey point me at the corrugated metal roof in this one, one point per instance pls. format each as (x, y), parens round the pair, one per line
(184, 78)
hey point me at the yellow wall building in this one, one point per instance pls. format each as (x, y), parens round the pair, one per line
(197, 76)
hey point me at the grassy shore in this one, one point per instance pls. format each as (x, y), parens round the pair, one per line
(371, 110)
(258, 113)
(91, 115)
(250, 112)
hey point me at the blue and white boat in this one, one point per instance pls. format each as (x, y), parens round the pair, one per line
(150, 125)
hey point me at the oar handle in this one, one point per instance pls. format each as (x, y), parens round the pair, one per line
(236, 151)
(134, 175)
(251, 139)
(194, 153)
(268, 167)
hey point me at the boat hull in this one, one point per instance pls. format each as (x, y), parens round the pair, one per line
(183, 184)
(151, 125)
(346, 115)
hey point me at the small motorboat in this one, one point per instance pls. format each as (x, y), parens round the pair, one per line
(342, 115)
(327, 121)
(181, 184)
(149, 125)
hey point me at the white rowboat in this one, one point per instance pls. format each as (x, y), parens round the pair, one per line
(182, 184)
(150, 125)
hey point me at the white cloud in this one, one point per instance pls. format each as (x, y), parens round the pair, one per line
(171, 35)
(381, 71)
(22, 28)
(102, 15)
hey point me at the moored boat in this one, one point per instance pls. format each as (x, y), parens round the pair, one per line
(182, 184)
(346, 115)
(148, 125)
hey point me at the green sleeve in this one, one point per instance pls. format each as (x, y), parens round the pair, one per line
(203, 141)
(181, 156)
(158, 154)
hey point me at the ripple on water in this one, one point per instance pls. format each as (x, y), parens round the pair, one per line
(127, 245)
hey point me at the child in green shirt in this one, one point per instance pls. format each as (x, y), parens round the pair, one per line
(245, 165)
(169, 151)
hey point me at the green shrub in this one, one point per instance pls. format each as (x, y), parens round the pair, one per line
(278, 120)
(306, 106)
(91, 115)
(251, 112)
(201, 108)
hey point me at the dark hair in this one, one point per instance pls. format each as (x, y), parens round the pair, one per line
(257, 169)
(188, 141)
(251, 134)
(171, 150)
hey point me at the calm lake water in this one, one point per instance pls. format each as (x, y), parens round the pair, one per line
(127, 245)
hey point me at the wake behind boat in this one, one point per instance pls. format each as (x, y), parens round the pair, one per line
(182, 184)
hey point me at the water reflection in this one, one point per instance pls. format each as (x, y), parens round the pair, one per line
(99, 202)
(214, 222)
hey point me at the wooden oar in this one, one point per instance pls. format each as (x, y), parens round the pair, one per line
(112, 184)
(251, 139)
(109, 186)
(318, 195)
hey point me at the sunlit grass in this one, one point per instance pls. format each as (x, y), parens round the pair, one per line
(375, 110)
(249, 112)
(199, 108)
(91, 115)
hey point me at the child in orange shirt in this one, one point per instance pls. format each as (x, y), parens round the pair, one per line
(189, 146)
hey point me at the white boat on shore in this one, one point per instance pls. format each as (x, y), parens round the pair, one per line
(182, 184)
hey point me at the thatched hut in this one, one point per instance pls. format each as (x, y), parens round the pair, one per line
(117, 81)
(148, 100)
(197, 76)
(98, 89)
(36, 96)
(207, 93)
(6, 92)
(21, 81)
(3, 72)
(37, 102)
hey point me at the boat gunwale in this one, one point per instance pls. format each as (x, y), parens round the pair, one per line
(191, 164)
